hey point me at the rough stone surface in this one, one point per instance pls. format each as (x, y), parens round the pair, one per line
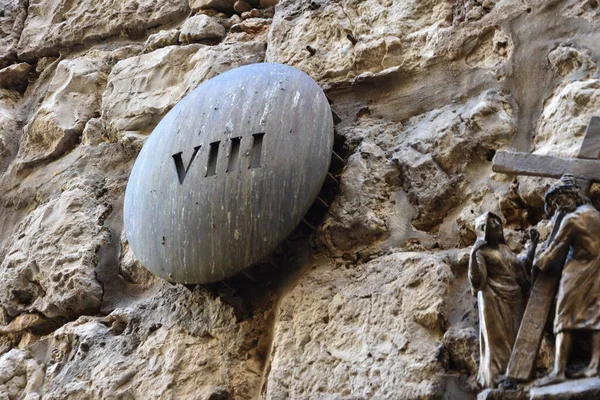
(365, 337)
(241, 6)
(425, 91)
(50, 28)
(408, 35)
(268, 3)
(162, 39)
(222, 5)
(57, 233)
(14, 77)
(12, 21)
(73, 97)
(173, 345)
(10, 129)
(201, 27)
(164, 76)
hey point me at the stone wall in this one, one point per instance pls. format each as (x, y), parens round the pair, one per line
(375, 303)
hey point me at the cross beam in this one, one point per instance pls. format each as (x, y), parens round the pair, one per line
(545, 166)
(586, 167)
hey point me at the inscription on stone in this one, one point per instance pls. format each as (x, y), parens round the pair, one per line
(228, 173)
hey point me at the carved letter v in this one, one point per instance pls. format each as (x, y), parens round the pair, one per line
(181, 170)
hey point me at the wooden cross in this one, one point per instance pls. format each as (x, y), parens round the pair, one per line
(585, 167)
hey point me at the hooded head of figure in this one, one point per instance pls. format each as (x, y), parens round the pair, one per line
(566, 196)
(489, 228)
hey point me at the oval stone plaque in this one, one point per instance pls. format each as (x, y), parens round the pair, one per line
(228, 173)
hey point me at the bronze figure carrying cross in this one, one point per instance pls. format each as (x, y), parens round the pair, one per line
(586, 168)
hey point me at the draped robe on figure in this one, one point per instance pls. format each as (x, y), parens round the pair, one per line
(578, 300)
(502, 278)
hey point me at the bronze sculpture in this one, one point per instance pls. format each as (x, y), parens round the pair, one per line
(587, 168)
(578, 301)
(499, 277)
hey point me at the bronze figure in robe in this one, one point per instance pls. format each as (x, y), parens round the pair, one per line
(499, 278)
(578, 300)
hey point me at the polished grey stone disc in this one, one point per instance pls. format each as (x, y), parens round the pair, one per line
(228, 173)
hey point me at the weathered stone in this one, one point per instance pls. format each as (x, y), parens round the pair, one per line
(23, 322)
(258, 139)
(568, 59)
(94, 133)
(241, 6)
(463, 349)
(493, 49)
(12, 21)
(50, 268)
(48, 28)
(383, 39)
(15, 77)
(222, 5)
(565, 118)
(397, 185)
(156, 349)
(20, 376)
(162, 39)
(258, 13)
(44, 63)
(125, 52)
(140, 90)
(10, 129)
(73, 97)
(500, 394)
(423, 93)
(249, 30)
(359, 324)
(201, 27)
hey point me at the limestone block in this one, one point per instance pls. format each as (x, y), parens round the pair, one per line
(161, 39)
(50, 27)
(49, 269)
(175, 344)
(407, 176)
(463, 348)
(566, 116)
(221, 5)
(124, 52)
(249, 30)
(373, 36)
(73, 97)
(142, 89)
(10, 130)
(12, 21)
(201, 27)
(384, 38)
(15, 77)
(359, 324)
(241, 6)
(567, 59)
(561, 127)
(20, 375)
(439, 150)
